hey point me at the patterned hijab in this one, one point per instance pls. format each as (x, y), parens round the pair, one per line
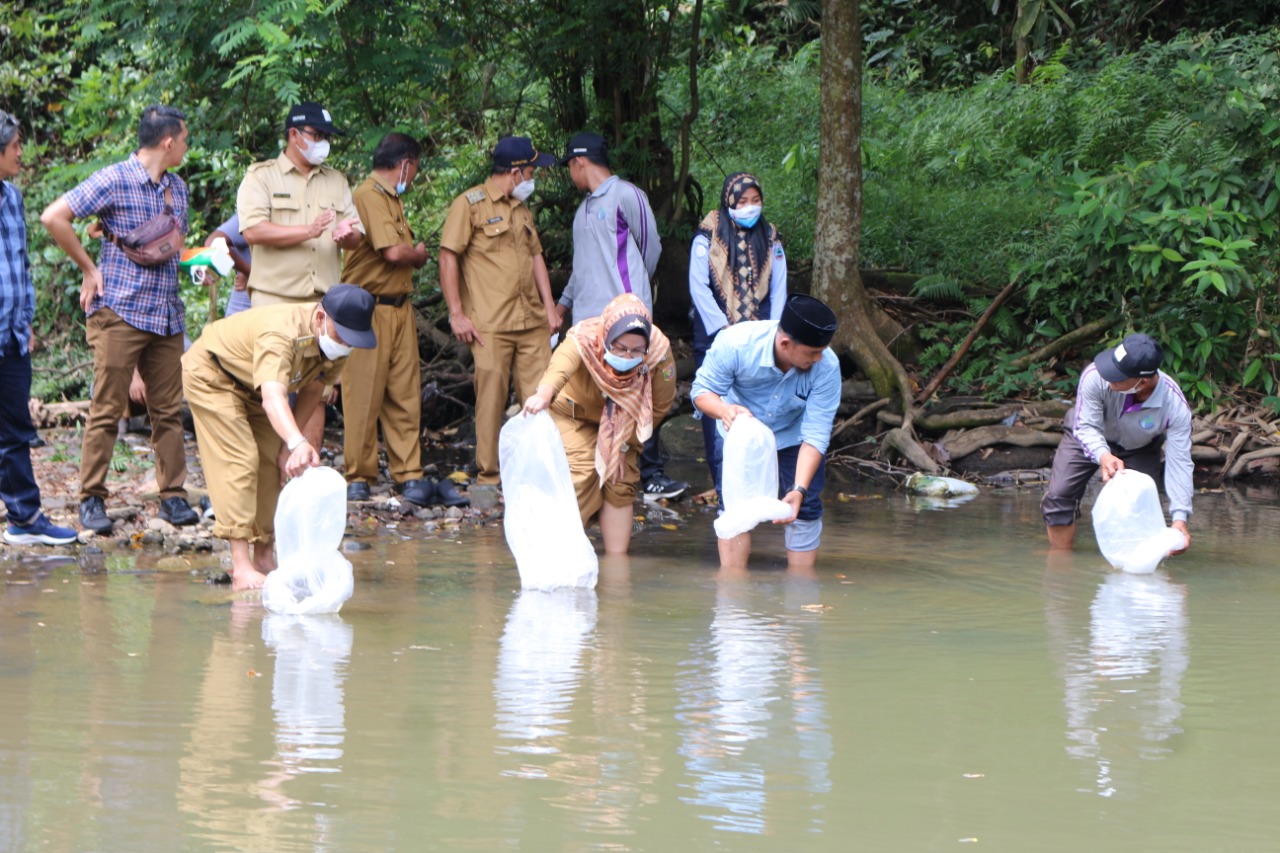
(741, 258)
(628, 401)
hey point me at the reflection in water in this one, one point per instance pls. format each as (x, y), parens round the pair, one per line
(753, 716)
(307, 695)
(1122, 690)
(539, 667)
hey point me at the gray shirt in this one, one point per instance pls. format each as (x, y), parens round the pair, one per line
(1103, 417)
(615, 249)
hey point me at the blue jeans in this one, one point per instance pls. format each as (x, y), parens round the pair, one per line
(18, 487)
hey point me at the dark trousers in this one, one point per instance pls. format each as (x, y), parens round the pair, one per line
(18, 486)
(810, 507)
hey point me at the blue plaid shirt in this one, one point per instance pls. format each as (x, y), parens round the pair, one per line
(123, 196)
(17, 296)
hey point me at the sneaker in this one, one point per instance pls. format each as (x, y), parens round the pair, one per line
(206, 507)
(358, 490)
(661, 486)
(93, 515)
(447, 494)
(40, 531)
(417, 492)
(178, 512)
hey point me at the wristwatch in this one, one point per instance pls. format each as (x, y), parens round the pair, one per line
(804, 491)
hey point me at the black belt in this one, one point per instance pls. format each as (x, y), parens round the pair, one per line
(393, 301)
(230, 375)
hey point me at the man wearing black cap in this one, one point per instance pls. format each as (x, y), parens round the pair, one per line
(1126, 410)
(615, 250)
(238, 377)
(297, 213)
(782, 373)
(495, 282)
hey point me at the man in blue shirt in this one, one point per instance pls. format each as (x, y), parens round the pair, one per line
(782, 373)
(135, 316)
(18, 489)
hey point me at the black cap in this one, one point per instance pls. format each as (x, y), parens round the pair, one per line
(512, 151)
(628, 324)
(351, 308)
(311, 114)
(1137, 355)
(586, 144)
(808, 321)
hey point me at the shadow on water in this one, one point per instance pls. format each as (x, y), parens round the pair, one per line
(942, 680)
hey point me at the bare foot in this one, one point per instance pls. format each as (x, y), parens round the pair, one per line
(247, 579)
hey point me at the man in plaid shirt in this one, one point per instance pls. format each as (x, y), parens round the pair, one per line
(135, 316)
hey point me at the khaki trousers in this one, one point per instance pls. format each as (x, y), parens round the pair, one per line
(579, 439)
(526, 354)
(383, 386)
(117, 349)
(239, 450)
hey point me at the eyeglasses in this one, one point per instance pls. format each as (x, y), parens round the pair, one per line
(625, 352)
(317, 135)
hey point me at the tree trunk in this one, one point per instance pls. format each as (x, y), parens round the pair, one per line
(836, 278)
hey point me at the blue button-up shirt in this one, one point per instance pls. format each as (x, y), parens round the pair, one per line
(17, 296)
(799, 405)
(124, 197)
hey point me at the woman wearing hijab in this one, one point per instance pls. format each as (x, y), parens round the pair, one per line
(737, 272)
(608, 383)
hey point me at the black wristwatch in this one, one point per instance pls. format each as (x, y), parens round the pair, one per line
(804, 492)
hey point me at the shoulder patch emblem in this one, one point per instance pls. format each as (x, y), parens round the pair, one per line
(475, 196)
(700, 250)
(666, 374)
(777, 251)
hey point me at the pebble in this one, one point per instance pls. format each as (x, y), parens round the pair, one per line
(355, 545)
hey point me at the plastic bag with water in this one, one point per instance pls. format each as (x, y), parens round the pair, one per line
(749, 479)
(312, 576)
(1128, 522)
(541, 519)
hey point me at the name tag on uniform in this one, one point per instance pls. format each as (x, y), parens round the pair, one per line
(282, 195)
(493, 220)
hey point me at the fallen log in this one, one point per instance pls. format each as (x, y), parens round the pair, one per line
(1057, 345)
(902, 441)
(1241, 463)
(974, 440)
(959, 419)
(52, 414)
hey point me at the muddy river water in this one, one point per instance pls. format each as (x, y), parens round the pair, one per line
(941, 684)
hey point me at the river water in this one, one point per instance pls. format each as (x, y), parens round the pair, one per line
(942, 683)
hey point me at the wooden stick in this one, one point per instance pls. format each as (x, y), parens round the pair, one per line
(968, 342)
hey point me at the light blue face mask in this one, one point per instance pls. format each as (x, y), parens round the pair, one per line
(746, 217)
(620, 364)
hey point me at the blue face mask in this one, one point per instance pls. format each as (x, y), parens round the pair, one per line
(620, 364)
(746, 217)
(402, 184)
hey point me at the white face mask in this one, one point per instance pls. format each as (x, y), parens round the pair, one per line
(523, 190)
(332, 349)
(402, 184)
(746, 216)
(314, 153)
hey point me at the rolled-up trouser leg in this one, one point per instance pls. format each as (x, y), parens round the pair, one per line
(1072, 470)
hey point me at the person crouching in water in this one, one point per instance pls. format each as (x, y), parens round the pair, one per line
(608, 383)
(237, 377)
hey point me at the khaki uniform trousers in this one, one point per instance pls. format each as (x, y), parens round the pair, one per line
(525, 354)
(383, 386)
(238, 449)
(579, 439)
(117, 349)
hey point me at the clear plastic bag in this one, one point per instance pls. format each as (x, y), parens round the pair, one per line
(541, 519)
(749, 479)
(311, 517)
(1128, 522)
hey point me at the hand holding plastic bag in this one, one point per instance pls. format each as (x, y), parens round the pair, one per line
(311, 517)
(541, 519)
(749, 479)
(1128, 522)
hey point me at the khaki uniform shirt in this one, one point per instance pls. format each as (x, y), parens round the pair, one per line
(381, 211)
(271, 343)
(275, 191)
(580, 397)
(496, 242)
